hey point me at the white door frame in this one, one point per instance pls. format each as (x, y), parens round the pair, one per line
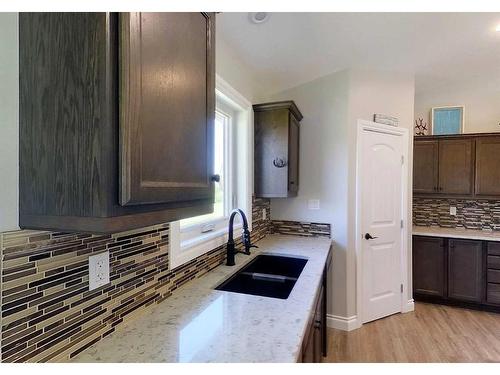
(369, 125)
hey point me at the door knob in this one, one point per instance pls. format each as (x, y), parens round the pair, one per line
(368, 236)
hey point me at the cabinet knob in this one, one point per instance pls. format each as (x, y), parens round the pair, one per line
(317, 324)
(279, 163)
(216, 178)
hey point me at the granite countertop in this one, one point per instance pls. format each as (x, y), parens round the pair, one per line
(200, 324)
(473, 234)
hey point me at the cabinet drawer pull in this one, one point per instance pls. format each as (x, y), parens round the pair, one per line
(279, 163)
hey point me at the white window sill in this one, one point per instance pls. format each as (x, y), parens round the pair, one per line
(215, 221)
(183, 252)
(207, 238)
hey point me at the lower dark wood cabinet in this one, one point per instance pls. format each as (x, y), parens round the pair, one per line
(459, 272)
(314, 345)
(465, 270)
(312, 349)
(429, 264)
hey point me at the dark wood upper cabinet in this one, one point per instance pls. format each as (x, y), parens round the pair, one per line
(465, 270)
(467, 165)
(276, 157)
(167, 107)
(425, 167)
(487, 181)
(429, 261)
(456, 166)
(116, 119)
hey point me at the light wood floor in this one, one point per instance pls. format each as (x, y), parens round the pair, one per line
(432, 333)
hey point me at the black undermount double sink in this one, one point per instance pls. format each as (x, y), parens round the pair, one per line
(266, 275)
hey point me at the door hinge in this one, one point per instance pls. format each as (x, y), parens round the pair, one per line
(402, 225)
(401, 288)
(402, 159)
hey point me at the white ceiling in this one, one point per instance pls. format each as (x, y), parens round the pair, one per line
(441, 49)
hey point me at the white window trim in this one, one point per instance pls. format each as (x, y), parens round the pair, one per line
(181, 253)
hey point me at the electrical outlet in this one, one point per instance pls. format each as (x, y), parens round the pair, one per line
(98, 270)
(264, 214)
(313, 204)
(453, 211)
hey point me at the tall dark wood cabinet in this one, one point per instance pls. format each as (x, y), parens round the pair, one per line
(276, 153)
(429, 262)
(425, 167)
(116, 119)
(465, 270)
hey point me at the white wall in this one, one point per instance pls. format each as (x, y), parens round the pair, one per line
(9, 160)
(236, 72)
(331, 106)
(323, 168)
(481, 101)
(372, 92)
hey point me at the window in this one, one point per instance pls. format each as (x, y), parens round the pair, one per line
(224, 157)
(233, 147)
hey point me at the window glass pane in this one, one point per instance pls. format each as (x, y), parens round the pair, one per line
(220, 160)
(220, 122)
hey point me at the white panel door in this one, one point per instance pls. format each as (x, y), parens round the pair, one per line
(380, 172)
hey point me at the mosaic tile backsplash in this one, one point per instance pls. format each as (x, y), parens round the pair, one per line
(47, 312)
(298, 228)
(471, 214)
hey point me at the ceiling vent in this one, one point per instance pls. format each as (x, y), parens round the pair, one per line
(258, 17)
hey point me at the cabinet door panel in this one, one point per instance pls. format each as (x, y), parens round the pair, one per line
(488, 166)
(465, 270)
(318, 329)
(455, 166)
(493, 294)
(494, 248)
(167, 107)
(493, 262)
(271, 142)
(429, 266)
(293, 155)
(425, 166)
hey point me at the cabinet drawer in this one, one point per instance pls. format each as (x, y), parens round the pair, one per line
(493, 293)
(494, 276)
(494, 248)
(494, 262)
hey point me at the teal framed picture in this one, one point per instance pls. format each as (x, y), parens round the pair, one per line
(447, 120)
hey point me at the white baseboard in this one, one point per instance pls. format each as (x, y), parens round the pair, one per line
(341, 322)
(408, 306)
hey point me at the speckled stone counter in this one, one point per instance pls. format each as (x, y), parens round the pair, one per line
(200, 324)
(472, 234)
